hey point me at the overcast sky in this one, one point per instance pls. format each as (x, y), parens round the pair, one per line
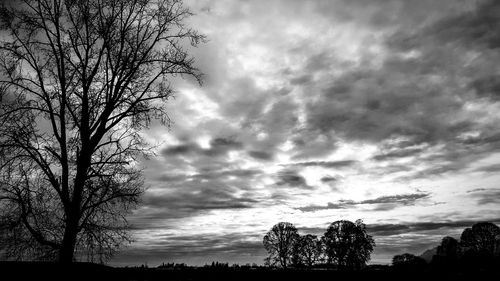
(315, 111)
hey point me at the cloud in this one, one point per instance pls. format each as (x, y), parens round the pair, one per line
(218, 146)
(421, 93)
(260, 155)
(206, 199)
(292, 179)
(191, 199)
(382, 203)
(415, 228)
(180, 149)
(242, 174)
(404, 92)
(194, 249)
(494, 168)
(405, 199)
(327, 179)
(326, 164)
(485, 195)
(398, 153)
(391, 14)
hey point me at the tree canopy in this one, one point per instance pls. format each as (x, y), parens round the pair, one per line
(80, 79)
(279, 243)
(310, 249)
(347, 244)
(481, 237)
(408, 261)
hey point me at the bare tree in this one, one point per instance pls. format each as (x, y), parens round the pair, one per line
(81, 78)
(347, 244)
(279, 243)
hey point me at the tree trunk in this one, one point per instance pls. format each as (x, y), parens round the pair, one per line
(67, 251)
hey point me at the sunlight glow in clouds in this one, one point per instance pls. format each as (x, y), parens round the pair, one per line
(315, 111)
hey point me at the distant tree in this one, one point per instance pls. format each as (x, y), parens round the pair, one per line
(408, 262)
(482, 237)
(296, 258)
(449, 247)
(79, 80)
(447, 254)
(280, 242)
(347, 244)
(480, 246)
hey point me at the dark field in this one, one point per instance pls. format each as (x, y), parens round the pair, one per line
(87, 271)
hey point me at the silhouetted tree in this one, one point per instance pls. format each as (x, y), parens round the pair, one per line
(311, 249)
(347, 244)
(408, 262)
(280, 242)
(296, 259)
(81, 78)
(480, 245)
(449, 247)
(447, 253)
(307, 250)
(481, 237)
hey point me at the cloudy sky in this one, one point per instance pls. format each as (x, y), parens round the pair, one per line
(316, 111)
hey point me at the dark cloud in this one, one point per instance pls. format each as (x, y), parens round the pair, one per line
(261, 155)
(405, 199)
(494, 168)
(218, 146)
(225, 144)
(418, 96)
(416, 228)
(195, 249)
(488, 86)
(342, 204)
(180, 149)
(243, 174)
(476, 28)
(291, 178)
(301, 79)
(175, 196)
(327, 179)
(210, 174)
(378, 109)
(204, 199)
(421, 93)
(172, 178)
(413, 228)
(485, 195)
(193, 199)
(383, 14)
(392, 168)
(398, 153)
(476, 190)
(381, 203)
(326, 164)
(309, 145)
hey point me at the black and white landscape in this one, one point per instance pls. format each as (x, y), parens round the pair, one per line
(181, 132)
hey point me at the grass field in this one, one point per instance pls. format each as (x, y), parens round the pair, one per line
(86, 271)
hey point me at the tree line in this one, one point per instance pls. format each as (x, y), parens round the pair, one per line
(345, 245)
(477, 248)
